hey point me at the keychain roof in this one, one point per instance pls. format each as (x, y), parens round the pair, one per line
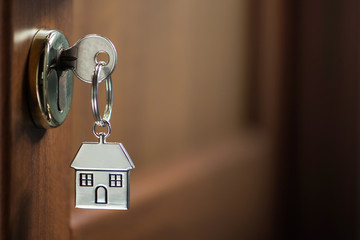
(100, 156)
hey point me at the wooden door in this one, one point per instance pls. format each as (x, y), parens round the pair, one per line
(240, 116)
(34, 162)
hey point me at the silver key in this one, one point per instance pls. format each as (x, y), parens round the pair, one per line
(82, 57)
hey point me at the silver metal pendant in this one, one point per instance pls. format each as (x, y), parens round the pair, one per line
(102, 175)
(102, 169)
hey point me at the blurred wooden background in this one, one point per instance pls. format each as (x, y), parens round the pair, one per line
(180, 109)
(241, 118)
(179, 81)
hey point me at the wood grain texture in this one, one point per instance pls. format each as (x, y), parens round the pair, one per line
(36, 161)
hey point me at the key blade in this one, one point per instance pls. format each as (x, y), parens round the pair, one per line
(67, 59)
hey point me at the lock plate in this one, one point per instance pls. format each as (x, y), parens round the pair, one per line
(51, 88)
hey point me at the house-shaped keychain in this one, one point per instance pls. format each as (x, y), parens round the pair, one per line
(102, 176)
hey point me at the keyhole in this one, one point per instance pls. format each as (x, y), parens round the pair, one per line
(102, 56)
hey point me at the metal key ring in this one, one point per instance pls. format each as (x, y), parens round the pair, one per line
(100, 121)
(98, 135)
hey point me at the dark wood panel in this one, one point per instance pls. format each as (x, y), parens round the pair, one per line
(305, 92)
(324, 121)
(5, 56)
(35, 162)
(268, 92)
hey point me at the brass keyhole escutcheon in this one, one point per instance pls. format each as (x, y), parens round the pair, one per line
(51, 88)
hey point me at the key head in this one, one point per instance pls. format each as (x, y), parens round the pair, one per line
(87, 51)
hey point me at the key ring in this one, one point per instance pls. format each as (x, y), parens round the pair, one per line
(105, 123)
(101, 121)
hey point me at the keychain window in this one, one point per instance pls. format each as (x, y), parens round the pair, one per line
(86, 179)
(115, 180)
